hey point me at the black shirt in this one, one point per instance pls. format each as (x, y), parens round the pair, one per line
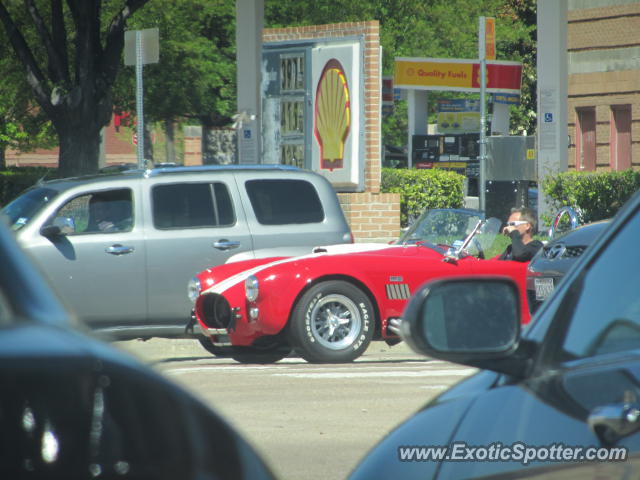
(519, 251)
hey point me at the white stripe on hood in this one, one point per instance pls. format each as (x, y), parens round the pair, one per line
(340, 249)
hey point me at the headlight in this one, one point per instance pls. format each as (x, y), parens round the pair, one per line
(193, 289)
(251, 288)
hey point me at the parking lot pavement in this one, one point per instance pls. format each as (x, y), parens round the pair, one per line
(311, 421)
(160, 350)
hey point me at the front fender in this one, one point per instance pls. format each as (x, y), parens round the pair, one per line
(278, 306)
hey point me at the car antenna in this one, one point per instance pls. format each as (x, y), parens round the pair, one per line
(43, 177)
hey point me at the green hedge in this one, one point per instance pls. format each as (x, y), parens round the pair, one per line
(14, 180)
(596, 195)
(422, 189)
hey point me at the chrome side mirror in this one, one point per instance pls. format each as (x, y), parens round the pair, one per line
(566, 215)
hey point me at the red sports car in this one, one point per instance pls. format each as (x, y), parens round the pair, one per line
(329, 305)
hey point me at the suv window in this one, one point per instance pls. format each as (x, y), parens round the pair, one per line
(192, 205)
(98, 212)
(281, 202)
(606, 317)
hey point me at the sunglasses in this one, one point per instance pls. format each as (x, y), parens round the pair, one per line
(517, 223)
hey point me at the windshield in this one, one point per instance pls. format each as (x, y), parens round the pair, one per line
(21, 210)
(441, 227)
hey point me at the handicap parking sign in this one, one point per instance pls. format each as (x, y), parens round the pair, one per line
(548, 117)
(247, 134)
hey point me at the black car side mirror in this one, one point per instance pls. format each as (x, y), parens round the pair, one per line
(59, 226)
(469, 320)
(50, 231)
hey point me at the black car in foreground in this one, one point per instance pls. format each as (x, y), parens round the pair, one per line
(560, 399)
(72, 407)
(554, 260)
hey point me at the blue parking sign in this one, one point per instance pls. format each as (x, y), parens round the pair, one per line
(548, 117)
(247, 134)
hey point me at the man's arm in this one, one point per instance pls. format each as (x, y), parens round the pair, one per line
(523, 252)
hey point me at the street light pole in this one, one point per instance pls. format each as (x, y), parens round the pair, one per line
(139, 101)
(483, 116)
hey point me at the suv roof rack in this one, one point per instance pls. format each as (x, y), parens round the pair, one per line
(212, 168)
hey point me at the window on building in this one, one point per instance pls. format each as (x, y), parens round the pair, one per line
(286, 118)
(586, 138)
(620, 146)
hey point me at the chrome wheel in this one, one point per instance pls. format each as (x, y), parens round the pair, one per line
(335, 321)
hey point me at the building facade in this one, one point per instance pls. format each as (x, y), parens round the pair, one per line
(603, 46)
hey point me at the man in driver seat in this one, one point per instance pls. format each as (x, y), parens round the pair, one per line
(520, 227)
(109, 213)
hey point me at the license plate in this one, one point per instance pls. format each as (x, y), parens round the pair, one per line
(544, 287)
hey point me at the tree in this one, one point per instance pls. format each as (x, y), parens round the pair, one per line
(71, 67)
(429, 28)
(22, 124)
(195, 77)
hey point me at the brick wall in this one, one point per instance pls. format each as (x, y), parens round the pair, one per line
(373, 216)
(118, 146)
(192, 146)
(598, 36)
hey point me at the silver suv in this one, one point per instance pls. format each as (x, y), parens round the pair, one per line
(121, 247)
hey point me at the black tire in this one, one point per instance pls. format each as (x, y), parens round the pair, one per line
(333, 322)
(211, 348)
(260, 354)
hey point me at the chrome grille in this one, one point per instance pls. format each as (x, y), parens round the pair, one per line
(574, 251)
(560, 250)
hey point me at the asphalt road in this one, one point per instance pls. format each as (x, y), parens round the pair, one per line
(307, 421)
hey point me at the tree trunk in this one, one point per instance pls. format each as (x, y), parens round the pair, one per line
(74, 86)
(148, 143)
(169, 134)
(79, 147)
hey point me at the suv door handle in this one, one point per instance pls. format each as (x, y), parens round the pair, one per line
(118, 249)
(224, 244)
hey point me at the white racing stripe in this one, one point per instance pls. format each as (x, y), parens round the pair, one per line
(227, 283)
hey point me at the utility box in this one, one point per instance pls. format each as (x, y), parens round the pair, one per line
(511, 158)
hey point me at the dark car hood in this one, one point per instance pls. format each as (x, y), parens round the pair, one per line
(559, 255)
(435, 425)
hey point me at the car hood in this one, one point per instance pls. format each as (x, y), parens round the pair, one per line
(559, 255)
(219, 279)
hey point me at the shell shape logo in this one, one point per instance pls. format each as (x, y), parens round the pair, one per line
(332, 115)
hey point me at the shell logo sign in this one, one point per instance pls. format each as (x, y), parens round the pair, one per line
(332, 115)
(337, 113)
